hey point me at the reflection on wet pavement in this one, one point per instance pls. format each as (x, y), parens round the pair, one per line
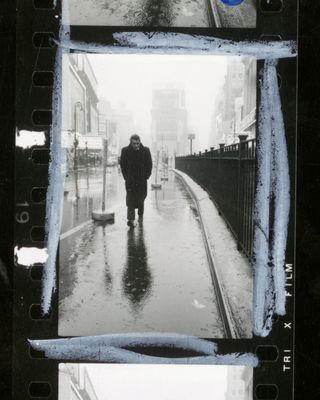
(137, 277)
(83, 194)
(107, 274)
(154, 277)
(154, 13)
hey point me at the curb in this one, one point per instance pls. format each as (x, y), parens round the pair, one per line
(226, 314)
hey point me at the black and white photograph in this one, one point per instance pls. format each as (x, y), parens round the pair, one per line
(157, 382)
(157, 224)
(161, 13)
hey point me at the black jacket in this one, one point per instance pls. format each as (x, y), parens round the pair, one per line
(136, 165)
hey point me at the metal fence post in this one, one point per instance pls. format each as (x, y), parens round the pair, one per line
(211, 178)
(220, 178)
(242, 139)
(227, 174)
(102, 215)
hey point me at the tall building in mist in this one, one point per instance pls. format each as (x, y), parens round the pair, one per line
(169, 121)
(235, 106)
(217, 122)
(75, 383)
(108, 125)
(248, 121)
(238, 383)
(124, 122)
(233, 89)
(247, 377)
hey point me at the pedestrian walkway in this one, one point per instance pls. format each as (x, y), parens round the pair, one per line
(233, 268)
(153, 278)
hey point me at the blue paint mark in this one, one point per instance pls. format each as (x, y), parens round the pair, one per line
(232, 2)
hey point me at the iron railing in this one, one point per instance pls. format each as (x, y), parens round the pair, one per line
(228, 175)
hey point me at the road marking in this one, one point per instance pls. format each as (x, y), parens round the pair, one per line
(75, 229)
(88, 222)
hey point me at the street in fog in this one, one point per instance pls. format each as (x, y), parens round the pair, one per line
(174, 273)
(154, 277)
(154, 381)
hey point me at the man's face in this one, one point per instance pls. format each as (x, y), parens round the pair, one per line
(135, 143)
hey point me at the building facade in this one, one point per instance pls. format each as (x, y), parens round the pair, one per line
(235, 106)
(75, 383)
(80, 115)
(235, 384)
(248, 121)
(108, 126)
(247, 377)
(125, 126)
(217, 121)
(169, 122)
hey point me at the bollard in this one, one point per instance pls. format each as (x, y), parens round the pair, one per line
(220, 177)
(165, 177)
(102, 215)
(242, 139)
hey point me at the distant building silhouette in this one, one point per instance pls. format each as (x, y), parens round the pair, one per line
(248, 121)
(75, 383)
(238, 383)
(108, 125)
(234, 111)
(169, 121)
(247, 376)
(123, 118)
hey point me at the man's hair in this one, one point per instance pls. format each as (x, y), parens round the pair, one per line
(135, 137)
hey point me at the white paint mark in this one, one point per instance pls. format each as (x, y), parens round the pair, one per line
(55, 193)
(28, 256)
(197, 304)
(109, 348)
(272, 185)
(27, 139)
(281, 193)
(178, 43)
(262, 281)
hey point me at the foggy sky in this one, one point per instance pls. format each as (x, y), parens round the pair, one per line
(158, 382)
(130, 79)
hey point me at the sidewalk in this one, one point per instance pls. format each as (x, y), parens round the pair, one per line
(232, 267)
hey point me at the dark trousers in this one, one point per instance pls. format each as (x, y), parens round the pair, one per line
(131, 214)
(136, 194)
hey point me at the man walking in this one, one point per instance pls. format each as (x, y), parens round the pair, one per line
(136, 167)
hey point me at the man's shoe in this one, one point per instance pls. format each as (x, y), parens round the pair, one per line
(131, 223)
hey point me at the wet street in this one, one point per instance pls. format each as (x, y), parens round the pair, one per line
(140, 12)
(153, 278)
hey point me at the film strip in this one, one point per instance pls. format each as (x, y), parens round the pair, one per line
(39, 37)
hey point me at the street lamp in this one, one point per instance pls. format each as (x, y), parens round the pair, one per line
(191, 137)
(234, 126)
(78, 104)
